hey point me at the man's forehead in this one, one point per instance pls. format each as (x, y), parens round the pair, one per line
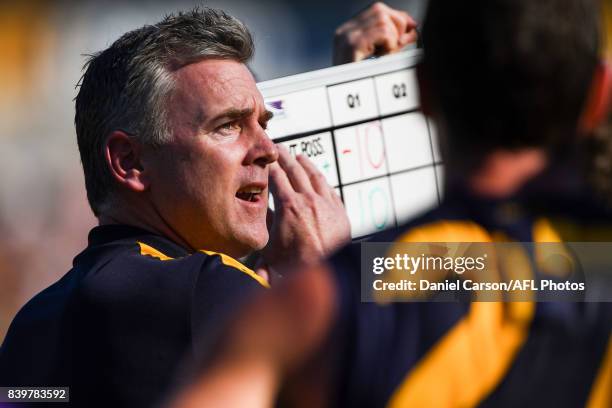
(215, 85)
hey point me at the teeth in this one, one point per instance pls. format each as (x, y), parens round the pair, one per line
(249, 193)
(251, 190)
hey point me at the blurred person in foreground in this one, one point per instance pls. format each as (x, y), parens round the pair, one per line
(171, 131)
(509, 106)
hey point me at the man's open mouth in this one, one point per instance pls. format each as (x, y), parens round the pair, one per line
(251, 194)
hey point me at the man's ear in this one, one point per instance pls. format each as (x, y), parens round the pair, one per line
(598, 99)
(424, 91)
(123, 158)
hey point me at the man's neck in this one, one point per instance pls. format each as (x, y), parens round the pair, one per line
(147, 220)
(504, 172)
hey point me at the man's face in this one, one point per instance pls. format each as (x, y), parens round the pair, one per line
(210, 184)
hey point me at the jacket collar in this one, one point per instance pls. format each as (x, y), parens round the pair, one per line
(105, 234)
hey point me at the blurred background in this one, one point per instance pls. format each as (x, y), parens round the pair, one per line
(44, 217)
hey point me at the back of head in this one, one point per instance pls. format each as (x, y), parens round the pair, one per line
(510, 73)
(125, 87)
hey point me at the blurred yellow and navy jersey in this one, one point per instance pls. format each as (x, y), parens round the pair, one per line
(485, 354)
(118, 324)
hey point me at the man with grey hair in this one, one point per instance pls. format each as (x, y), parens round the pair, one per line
(181, 127)
(171, 130)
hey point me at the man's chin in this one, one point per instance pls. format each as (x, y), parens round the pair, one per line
(261, 241)
(256, 240)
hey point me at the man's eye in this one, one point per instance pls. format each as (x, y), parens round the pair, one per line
(229, 127)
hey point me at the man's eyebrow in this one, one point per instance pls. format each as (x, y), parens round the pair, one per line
(233, 113)
(266, 116)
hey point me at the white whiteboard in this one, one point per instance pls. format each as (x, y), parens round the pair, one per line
(360, 124)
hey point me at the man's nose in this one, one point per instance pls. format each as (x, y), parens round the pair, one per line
(263, 151)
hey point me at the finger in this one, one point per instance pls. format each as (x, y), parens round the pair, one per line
(408, 38)
(373, 34)
(377, 9)
(384, 39)
(280, 187)
(381, 15)
(362, 48)
(294, 170)
(399, 21)
(402, 21)
(412, 23)
(379, 31)
(317, 179)
(336, 195)
(345, 48)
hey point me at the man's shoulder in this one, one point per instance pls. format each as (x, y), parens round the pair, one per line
(146, 273)
(103, 274)
(444, 223)
(125, 289)
(132, 264)
(123, 259)
(124, 269)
